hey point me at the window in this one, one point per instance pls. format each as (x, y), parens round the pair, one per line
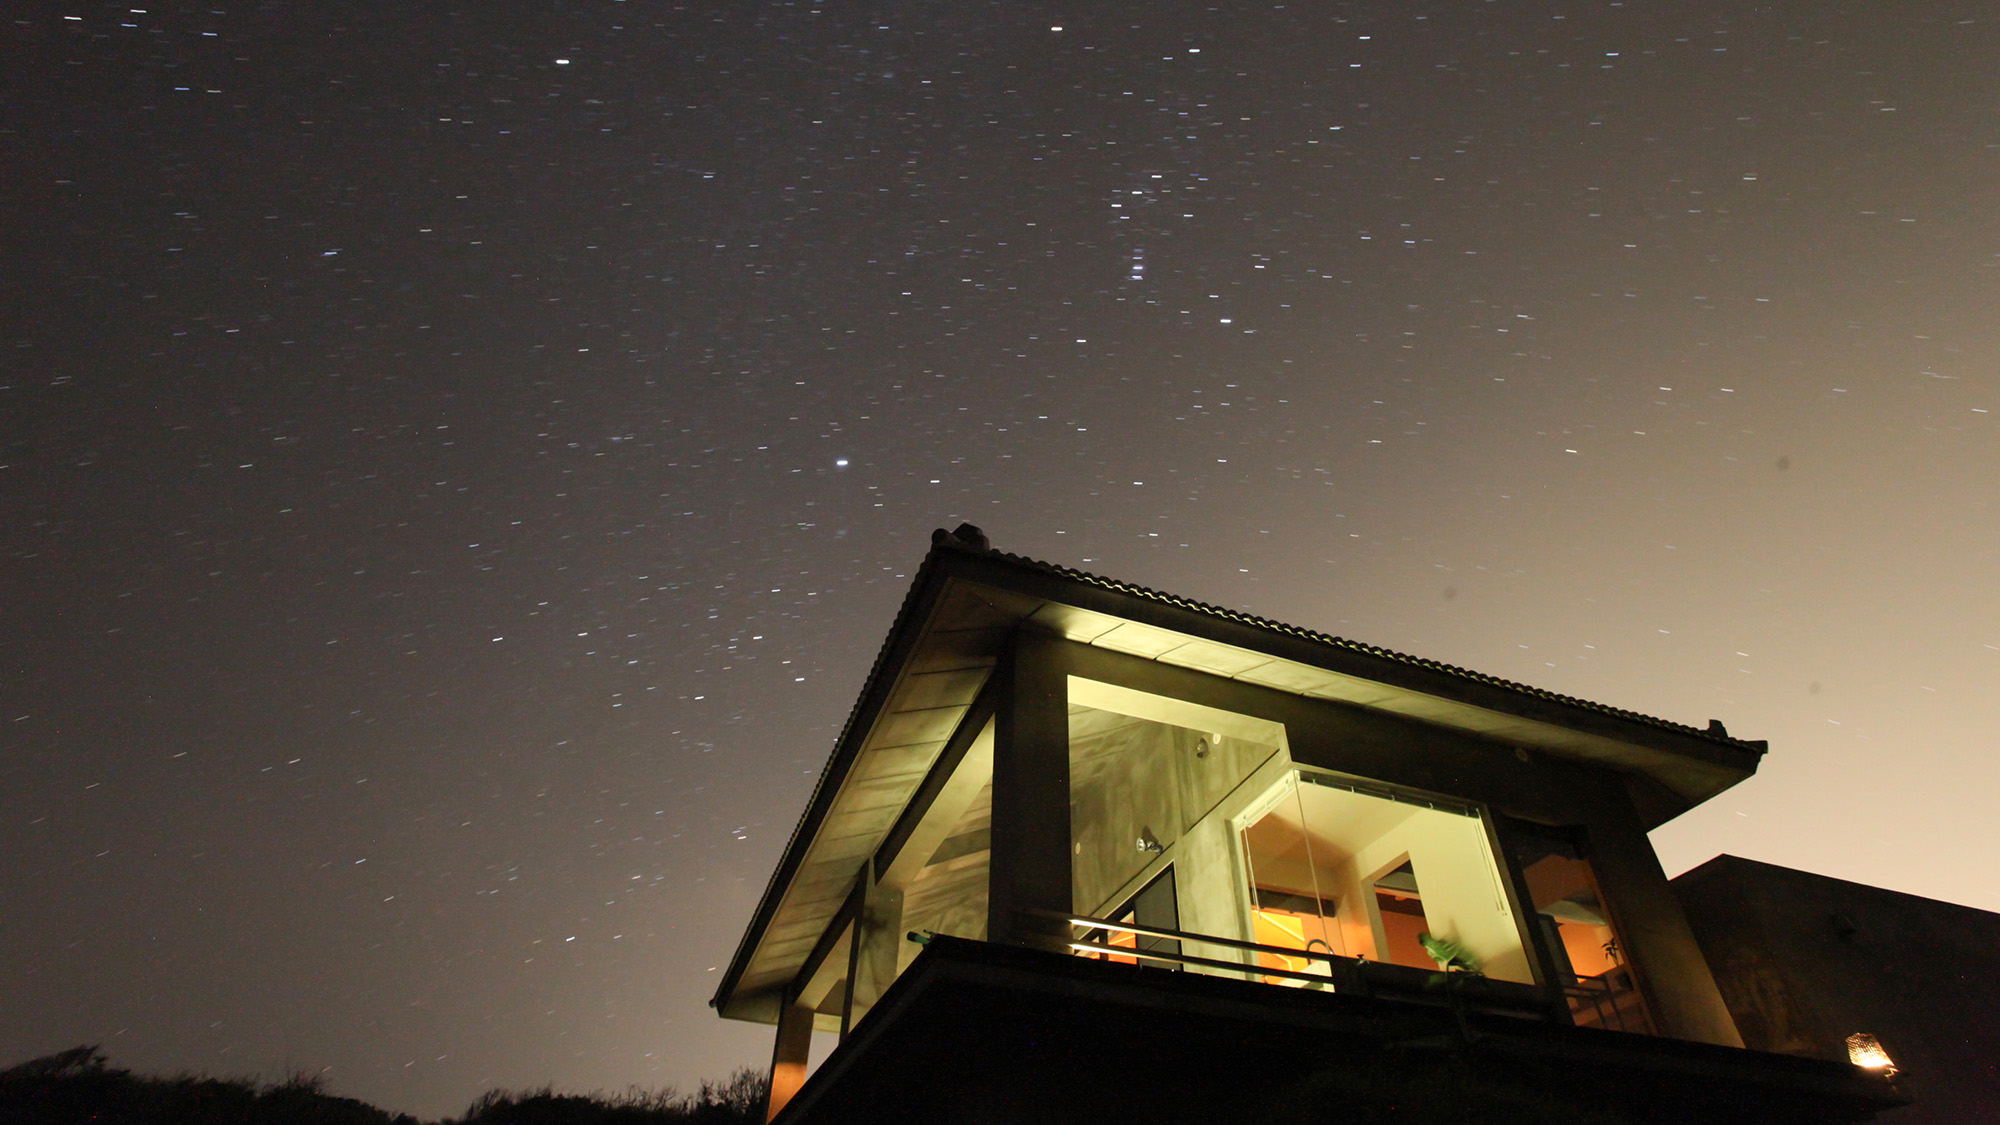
(1151, 781)
(1576, 926)
(1157, 908)
(1364, 871)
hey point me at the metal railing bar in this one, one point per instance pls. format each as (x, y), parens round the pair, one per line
(1206, 962)
(1343, 973)
(1204, 939)
(1354, 981)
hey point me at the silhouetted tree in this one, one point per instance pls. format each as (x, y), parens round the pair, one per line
(80, 1085)
(736, 1099)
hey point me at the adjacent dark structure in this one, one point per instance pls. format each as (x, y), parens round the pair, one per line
(1804, 961)
(1086, 850)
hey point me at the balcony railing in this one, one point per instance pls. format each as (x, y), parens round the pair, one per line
(1349, 975)
(1608, 1000)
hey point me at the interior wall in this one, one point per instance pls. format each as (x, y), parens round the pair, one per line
(1357, 922)
(1456, 880)
(1142, 775)
(1124, 802)
(1357, 838)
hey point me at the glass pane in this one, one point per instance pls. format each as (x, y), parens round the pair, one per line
(1156, 907)
(1124, 801)
(1139, 785)
(1291, 891)
(1211, 765)
(1570, 911)
(948, 895)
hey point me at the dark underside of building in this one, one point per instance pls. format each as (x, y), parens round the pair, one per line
(977, 1032)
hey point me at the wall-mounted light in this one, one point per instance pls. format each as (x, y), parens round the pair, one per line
(1865, 1051)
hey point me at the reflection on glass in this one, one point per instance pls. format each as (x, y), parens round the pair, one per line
(1155, 908)
(1137, 787)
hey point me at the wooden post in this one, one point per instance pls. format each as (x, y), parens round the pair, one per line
(1030, 874)
(789, 1055)
(1668, 966)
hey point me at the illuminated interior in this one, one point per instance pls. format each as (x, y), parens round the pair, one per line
(1154, 907)
(1571, 912)
(1333, 868)
(1195, 821)
(1256, 850)
(1154, 785)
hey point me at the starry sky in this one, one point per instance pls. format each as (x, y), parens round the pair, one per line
(458, 460)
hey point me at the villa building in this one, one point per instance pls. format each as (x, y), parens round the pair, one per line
(1086, 851)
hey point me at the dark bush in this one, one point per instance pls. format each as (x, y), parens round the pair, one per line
(79, 1085)
(738, 1098)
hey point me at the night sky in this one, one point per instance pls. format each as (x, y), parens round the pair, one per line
(458, 461)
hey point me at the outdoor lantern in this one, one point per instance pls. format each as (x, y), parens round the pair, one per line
(1865, 1051)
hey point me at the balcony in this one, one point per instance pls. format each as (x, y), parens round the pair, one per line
(980, 1031)
(1157, 947)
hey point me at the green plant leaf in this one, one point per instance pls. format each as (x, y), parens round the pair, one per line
(1449, 955)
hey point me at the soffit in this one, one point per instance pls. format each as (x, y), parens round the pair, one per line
(950, 661)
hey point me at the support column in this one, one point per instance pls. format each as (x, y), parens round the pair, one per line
(1670, 970)
(1030, 869)
(789, 1055)
(857, 897)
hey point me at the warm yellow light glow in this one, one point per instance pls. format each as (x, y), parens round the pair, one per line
(1280, 928)
(1864, 1051)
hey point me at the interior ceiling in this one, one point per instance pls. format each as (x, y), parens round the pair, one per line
(1342, 822)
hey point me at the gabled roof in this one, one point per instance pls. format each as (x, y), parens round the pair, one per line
(967, 599)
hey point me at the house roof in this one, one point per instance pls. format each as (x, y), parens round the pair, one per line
(967, 599)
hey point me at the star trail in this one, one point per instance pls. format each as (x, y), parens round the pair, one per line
(458, 461)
